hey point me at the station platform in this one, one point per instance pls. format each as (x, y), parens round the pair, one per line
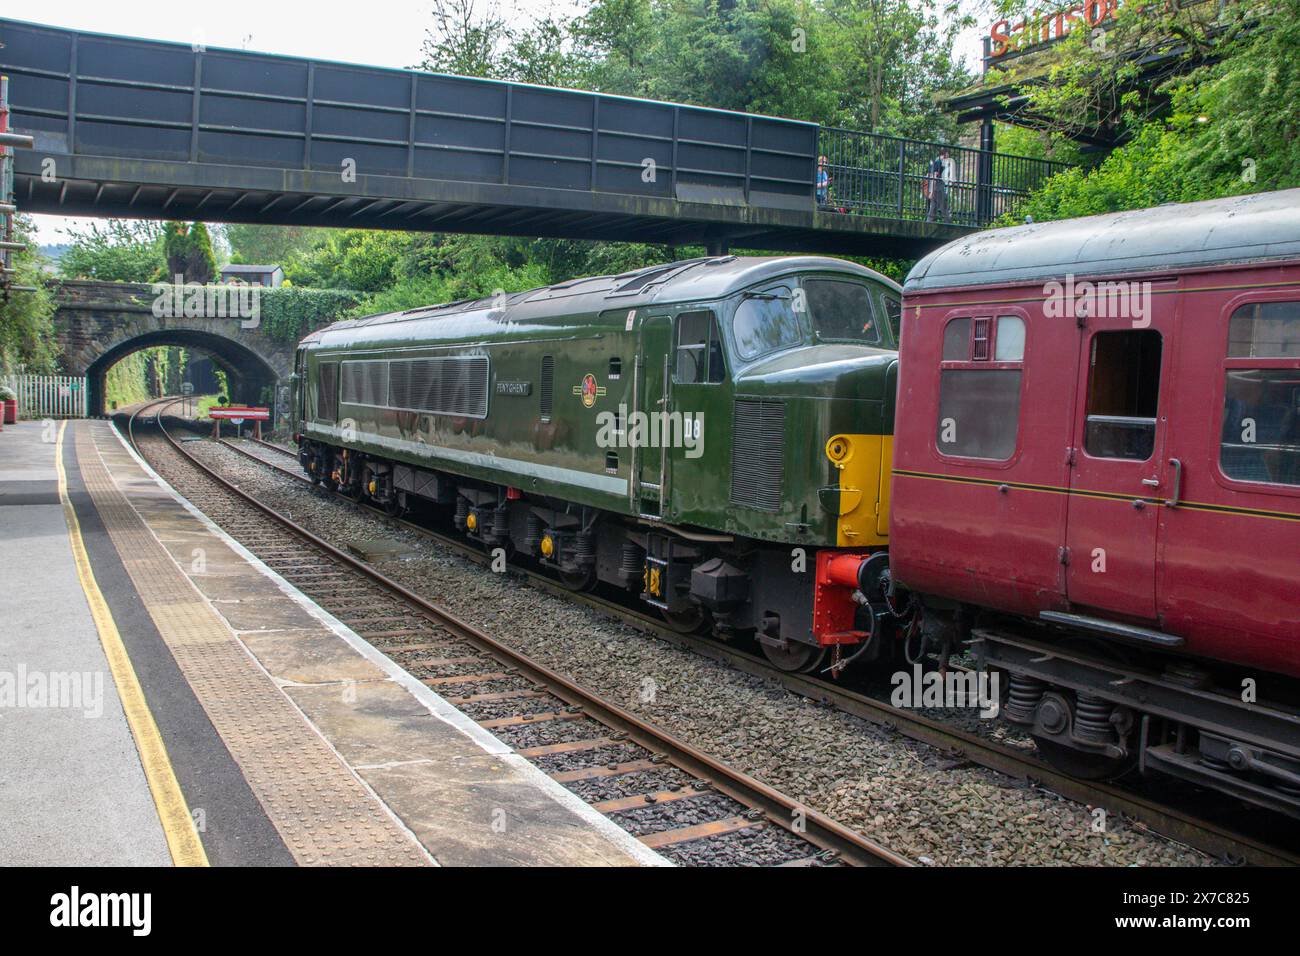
(165, 698)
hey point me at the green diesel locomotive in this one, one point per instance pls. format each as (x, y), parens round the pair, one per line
(714, 435)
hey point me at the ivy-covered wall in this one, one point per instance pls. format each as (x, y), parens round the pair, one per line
(288, 313)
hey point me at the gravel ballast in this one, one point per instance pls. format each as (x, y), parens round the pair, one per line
(901, 793)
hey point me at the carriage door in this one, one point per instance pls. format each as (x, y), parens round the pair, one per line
(1120, 478)
(652, 388)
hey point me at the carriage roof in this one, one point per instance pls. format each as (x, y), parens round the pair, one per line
(1239, 229)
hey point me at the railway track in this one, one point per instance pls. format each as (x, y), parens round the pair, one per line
(961, 745)
(674, 797)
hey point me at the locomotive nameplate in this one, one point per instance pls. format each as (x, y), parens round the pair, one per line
(514, 388)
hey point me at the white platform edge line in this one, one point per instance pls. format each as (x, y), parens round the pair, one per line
(428, 698)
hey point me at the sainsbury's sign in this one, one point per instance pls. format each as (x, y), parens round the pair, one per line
(1005, 36)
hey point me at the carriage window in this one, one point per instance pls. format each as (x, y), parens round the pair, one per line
(979, 403)
(699, 350)
(1260, 440)
(956, 340)
(979, 412)
(1265, 330)
(765, 321)
(841, 310)
(1123, 394)
(1010, 339)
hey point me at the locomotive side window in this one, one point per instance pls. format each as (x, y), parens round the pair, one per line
(1123, 394)
(1260, 440)
(327, 392)
(841, 311)
(699, 349)
(764, 322)
(979, 387)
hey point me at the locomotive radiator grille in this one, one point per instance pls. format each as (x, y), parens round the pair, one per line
(365, 383)
(758, 454)
(451, 385)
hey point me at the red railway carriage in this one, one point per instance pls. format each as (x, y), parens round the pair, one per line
(1098, 438)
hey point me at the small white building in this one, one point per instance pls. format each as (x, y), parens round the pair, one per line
(270, 276)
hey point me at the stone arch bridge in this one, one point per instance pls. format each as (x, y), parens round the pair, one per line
(97, 324)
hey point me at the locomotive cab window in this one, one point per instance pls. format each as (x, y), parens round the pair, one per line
(1260, 440)
(1123, 394)
(764, 322)
(842, 311)
(979, 387)
(699, 349)
(893, 307)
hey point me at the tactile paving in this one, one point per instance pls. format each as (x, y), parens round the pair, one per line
(324, 813)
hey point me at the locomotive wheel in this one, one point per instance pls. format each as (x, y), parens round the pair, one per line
(394, 508)
(796, 657)
(689, 621)
(1084, 766)
(579, 580)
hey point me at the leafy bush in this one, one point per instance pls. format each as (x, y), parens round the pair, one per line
(115, 251)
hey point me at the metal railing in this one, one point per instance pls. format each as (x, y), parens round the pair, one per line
(48, 396)
(876, 175)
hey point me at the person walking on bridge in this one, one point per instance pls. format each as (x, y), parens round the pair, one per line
(937, 181)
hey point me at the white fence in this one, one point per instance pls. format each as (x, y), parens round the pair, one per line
(49, 396)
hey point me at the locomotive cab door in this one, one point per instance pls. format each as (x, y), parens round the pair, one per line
(652, 387)
(697, 420)
(1119, 481)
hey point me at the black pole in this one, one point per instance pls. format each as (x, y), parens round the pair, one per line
(984, 181)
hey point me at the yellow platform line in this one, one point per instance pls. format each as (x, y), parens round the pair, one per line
(173, 812)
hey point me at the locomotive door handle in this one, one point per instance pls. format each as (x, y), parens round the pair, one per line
(1151, 482)
(1178, 482)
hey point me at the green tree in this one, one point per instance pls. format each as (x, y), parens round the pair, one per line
(114, 250)
(255, 244)
(26, 318)
(1224, 123)
(188, 251)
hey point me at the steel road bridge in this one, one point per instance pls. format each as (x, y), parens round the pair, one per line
(145, 129)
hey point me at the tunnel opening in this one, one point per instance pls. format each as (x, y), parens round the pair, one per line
(252, 380)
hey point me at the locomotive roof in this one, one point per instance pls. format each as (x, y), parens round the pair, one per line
(1173, 236)
(694, 280)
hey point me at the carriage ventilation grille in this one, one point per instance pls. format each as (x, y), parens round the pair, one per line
(452, 385)
(758, 454)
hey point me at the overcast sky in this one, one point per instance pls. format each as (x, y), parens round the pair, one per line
(378, 33)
